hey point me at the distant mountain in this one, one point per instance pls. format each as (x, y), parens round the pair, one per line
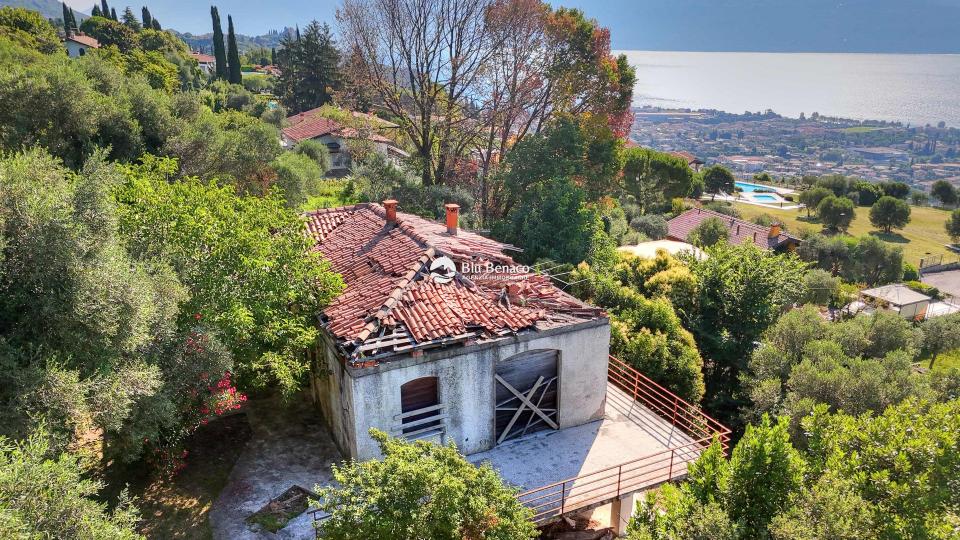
(204, 42)
(50, 9)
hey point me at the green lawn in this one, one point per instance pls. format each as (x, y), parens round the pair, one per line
(924, 235)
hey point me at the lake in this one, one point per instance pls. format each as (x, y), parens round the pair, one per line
(911, 88)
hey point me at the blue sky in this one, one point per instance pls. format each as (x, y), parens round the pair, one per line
(697, 25)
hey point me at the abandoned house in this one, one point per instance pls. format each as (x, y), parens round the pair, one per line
(440, 335)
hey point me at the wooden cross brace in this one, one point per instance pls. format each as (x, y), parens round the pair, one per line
(524, 403)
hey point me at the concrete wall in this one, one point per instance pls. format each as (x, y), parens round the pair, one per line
(467, 387)
(332, 396)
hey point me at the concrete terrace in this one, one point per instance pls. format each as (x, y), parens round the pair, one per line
(627, 432)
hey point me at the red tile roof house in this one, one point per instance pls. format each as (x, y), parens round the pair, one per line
(77, 44)
(770, 238)
(310, 125)
(440, 335)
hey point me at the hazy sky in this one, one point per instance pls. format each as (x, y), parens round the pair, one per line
(697, 25)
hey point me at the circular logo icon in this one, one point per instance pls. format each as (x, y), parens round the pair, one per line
(443, 270)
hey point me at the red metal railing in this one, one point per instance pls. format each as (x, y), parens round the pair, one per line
(644, 472)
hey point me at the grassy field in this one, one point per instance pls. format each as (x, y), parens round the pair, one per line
(924, 235)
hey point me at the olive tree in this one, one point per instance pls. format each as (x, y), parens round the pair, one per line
(889, 213)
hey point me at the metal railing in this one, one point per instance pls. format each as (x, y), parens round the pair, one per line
(645, 472)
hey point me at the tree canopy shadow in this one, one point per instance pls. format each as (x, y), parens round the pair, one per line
(892, 237)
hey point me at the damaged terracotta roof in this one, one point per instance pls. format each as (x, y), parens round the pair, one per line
(392, 305)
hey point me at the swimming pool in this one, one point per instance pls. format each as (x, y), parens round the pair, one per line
(747, 187)
(765, 197)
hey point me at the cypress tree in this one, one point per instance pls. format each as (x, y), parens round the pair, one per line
(104, 9)
(273, 56)
(73, 21)
(95, 12)
(66, 19)
(233, 54)
(219, 54)
(156, 24)
(113, 14)
(147, 19)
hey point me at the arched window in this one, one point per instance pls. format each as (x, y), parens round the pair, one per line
(421, 394)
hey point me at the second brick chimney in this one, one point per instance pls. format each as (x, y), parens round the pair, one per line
(453, 218)
(390, 206)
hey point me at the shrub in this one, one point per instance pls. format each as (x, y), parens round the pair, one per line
(652, 225)
(709, 232)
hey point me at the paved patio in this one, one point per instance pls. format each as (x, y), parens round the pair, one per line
(290, 446)
(627, 432)
(948, 282)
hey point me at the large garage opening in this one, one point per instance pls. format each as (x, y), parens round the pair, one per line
(527, 387)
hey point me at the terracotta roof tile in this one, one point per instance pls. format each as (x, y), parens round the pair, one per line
(680, 227)
(389, 290)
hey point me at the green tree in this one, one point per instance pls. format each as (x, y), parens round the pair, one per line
(741, 292)
(653, 178)
(95, 11)
(944, 192)
(889, 213)
(867, 192)
(110, 32)
(104, 8)
(309, 68)
(708, 233)
(147, 18)
(315, 150)
(219, 52)
(234, 74)
(67, 28)
(811, 197)
(718, 178)
(29, 29)
(245, 261)
(652, 225)
(298, 176)
(836, 212)
(421, 491)
(765, 472)
(130, 20)
(49, 495)
(113, 14)
(953, 225)
(831, 508)
(819, 287)
(903, 462)
(941, 334)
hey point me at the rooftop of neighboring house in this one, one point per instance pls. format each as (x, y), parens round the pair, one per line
(690, 158)
(397, 301)
(896, 294)
(310, 125)
(203, 58)
(84, 39)
(772, 237)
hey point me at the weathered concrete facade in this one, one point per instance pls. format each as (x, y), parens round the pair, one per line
(353, 400)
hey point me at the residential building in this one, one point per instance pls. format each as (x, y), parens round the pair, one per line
(310, 125)
(740, 231)
(77, 44)
(441, 336)
(898, 298)
(208, 63)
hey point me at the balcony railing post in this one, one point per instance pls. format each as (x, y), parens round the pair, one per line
(670, 474)
(563, 496)
(619, 475)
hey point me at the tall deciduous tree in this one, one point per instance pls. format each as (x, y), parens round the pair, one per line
(219, 51)
(235, 75)
(309, 68)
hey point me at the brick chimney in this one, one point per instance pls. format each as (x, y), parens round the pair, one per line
(453, 218)
(774, 230)
(390, 206)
